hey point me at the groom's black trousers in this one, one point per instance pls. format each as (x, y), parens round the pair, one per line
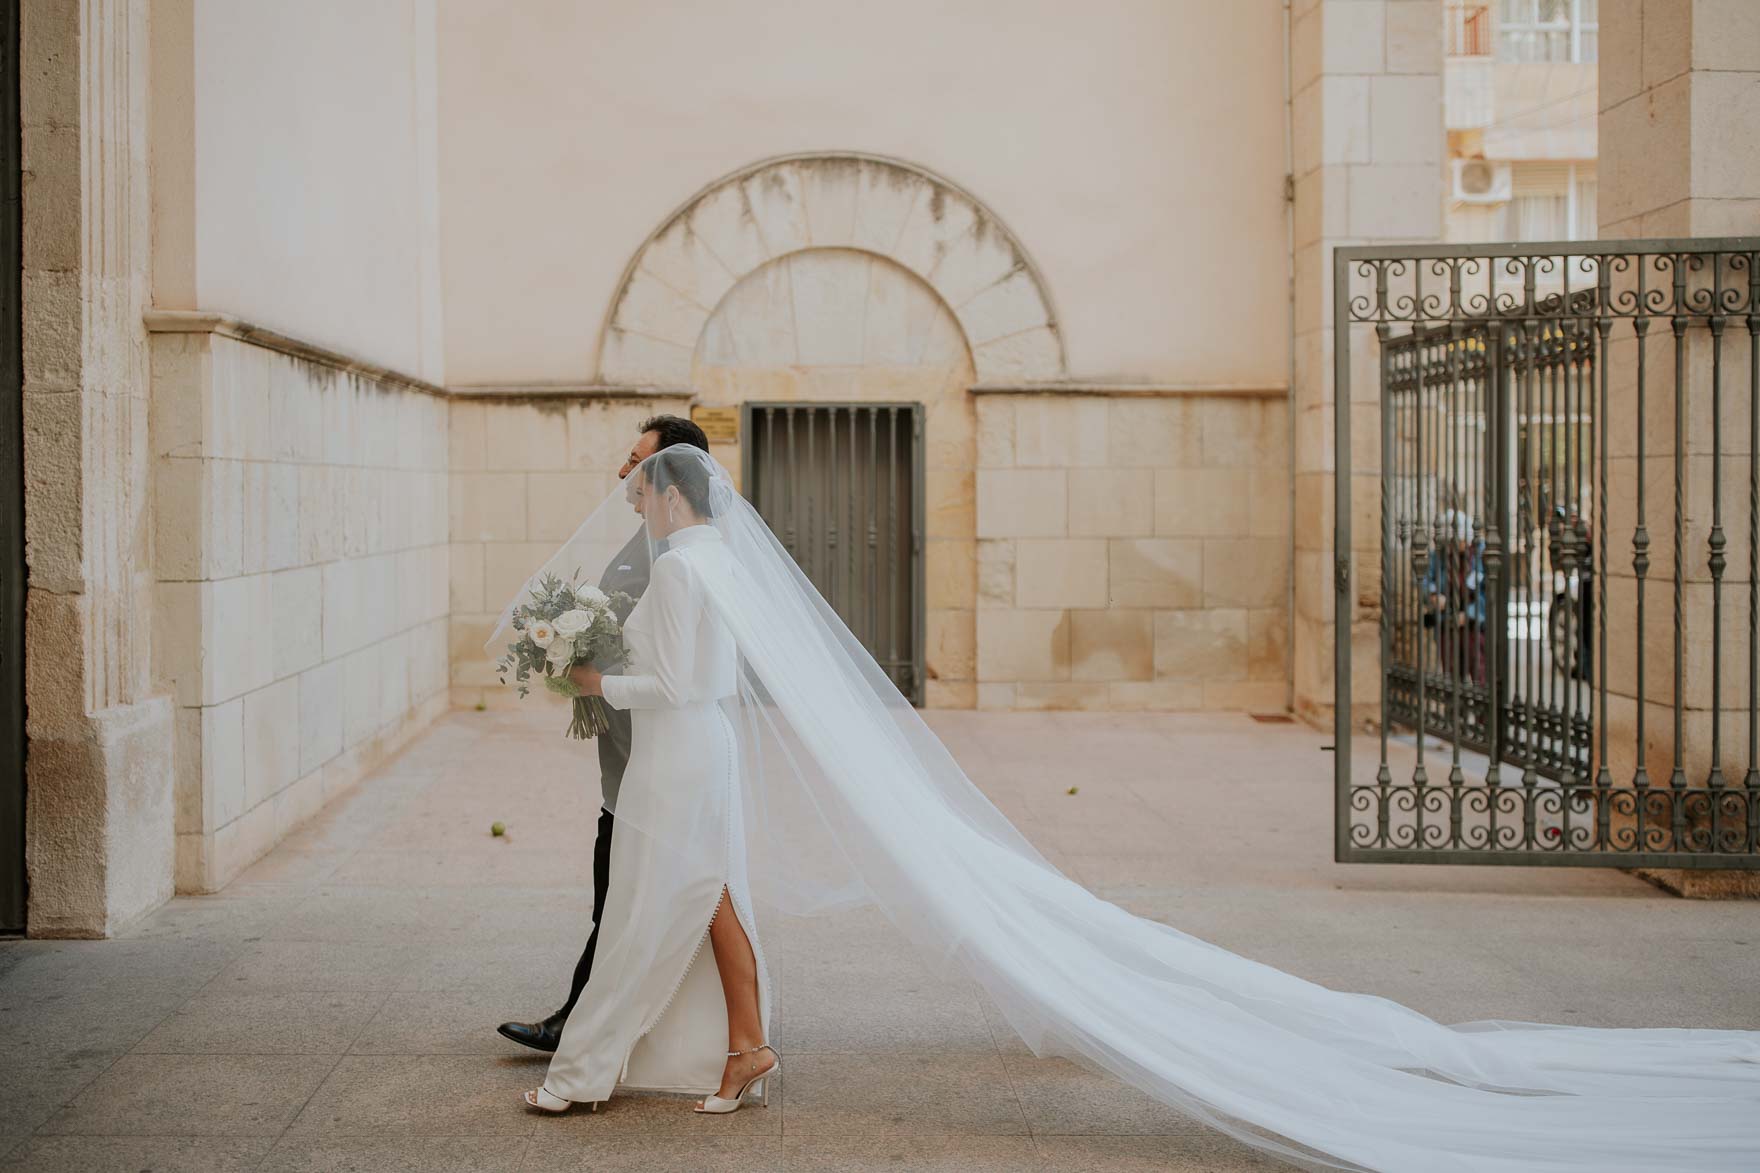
(601, 876)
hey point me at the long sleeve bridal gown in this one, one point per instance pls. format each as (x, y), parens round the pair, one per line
(652, 1016)
(764, 731)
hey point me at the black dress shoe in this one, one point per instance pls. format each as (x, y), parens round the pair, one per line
(539, 1036)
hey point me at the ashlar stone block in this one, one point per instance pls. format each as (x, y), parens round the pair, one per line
(1067, 572)
(271, 740)
(1201, 645)
(1112, 502)
(1022, 645)
(1060, 431)
(1156, 572)
(1112, 645)
(1022, 503)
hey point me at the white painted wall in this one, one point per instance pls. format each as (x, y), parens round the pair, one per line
(1136, 147)
(294, 159)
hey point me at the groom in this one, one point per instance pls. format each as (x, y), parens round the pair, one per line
(628, 573)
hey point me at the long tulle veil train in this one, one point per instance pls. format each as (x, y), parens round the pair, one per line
(847, 796)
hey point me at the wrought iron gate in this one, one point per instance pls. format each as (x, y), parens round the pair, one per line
(12, 585)
(842, 487)
(1515, 515)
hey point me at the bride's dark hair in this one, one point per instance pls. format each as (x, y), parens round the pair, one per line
(684, 467)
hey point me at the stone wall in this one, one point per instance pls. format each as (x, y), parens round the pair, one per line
(1133, 551)
(301, 532)
(524, 471)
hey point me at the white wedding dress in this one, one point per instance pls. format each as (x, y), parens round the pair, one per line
(652, 1016)
(838, 793)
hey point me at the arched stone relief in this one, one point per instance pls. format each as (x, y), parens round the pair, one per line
(844, 201)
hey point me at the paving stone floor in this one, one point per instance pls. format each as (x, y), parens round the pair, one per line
(335, 1007)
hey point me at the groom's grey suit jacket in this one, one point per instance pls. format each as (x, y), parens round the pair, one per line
(628, 573)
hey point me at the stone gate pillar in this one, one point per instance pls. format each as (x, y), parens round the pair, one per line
(1367, 156)
(1679, 100)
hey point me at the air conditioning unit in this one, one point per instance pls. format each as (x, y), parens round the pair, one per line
(1478, 181)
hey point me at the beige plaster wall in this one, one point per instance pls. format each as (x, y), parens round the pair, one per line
(1135, 147)
(1133, 552)
(292, 142)
(302, 563)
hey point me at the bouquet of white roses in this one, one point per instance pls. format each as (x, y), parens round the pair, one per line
(560, 626)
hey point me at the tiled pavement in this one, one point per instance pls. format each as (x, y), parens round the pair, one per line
(335, 1007)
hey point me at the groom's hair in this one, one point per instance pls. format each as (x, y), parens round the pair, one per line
(674, 429)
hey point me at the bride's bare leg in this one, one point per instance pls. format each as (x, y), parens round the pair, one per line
(739, 985)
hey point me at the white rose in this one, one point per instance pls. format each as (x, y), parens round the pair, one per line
(561, 653)
(571, 623)
(541, 634)
(591, 596)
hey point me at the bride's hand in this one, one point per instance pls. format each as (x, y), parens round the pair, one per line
(587, 678)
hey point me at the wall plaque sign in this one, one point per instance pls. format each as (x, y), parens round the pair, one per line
(720, 424)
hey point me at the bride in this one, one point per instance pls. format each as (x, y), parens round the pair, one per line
(774, 763)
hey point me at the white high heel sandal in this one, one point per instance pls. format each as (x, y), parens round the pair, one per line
(717, 1106)
(543, 1101)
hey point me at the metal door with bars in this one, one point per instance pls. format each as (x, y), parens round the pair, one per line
(842, 487)
(1539, 562)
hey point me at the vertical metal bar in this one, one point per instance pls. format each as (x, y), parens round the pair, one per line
(1715, 558)
(918, 496)
(1641, 558)
(1575, 679)
(852, 586)
(834, 510)
(1341, 538)
(1532, 343)
(768, 474)
(1422, 553)
(794, 487)
(1751, 781)
(1603, 533)
(813, 542)
(892, 545)
(1677, 779)
(873, 618)
(1383, 775)
(747, 474)
(1496, 604)
(1464, 635)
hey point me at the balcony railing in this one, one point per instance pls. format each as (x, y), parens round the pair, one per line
(1468, 30)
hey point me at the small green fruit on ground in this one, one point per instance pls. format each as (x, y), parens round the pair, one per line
(498, 829)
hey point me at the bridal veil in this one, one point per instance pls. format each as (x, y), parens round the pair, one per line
(847, 797)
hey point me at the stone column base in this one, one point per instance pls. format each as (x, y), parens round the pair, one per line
(99, 840)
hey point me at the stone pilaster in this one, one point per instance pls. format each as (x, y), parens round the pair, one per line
(99, 817)
(1367, 153)
(1679, 95)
